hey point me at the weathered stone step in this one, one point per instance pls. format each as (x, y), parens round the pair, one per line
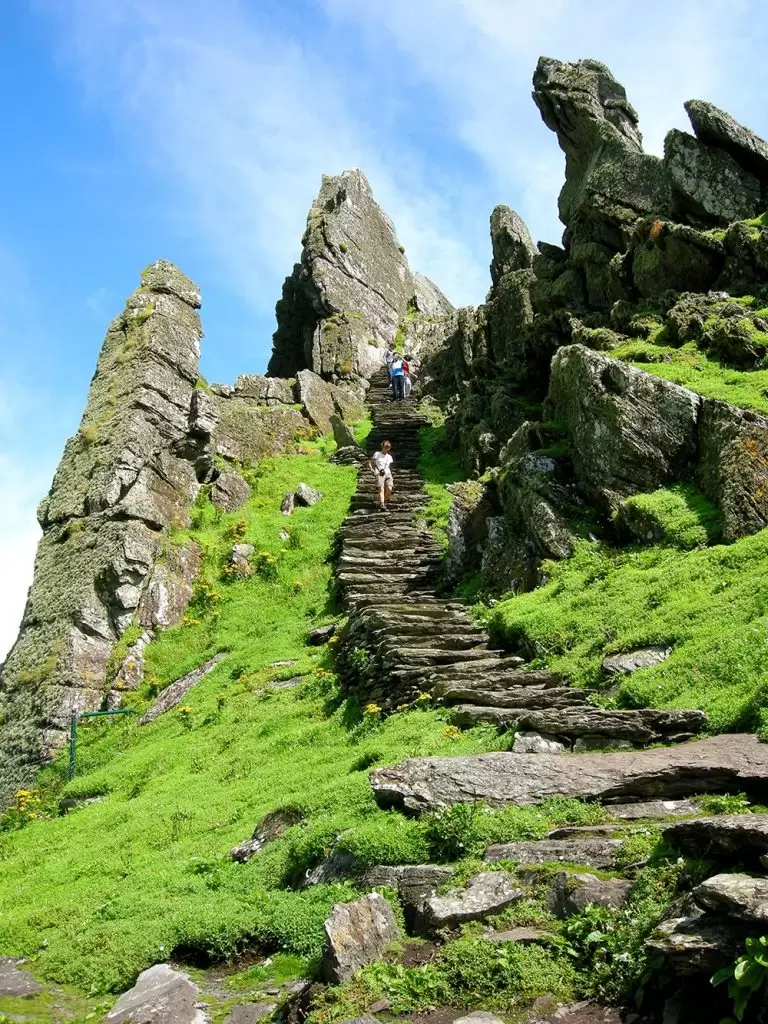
(714, 765)
(495, 692)
(593, 853)
(640, 726)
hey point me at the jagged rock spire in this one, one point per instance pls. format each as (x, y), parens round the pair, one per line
(345, 299)
(119, 484)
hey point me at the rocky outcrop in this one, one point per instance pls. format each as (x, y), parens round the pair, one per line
(718, 764)
(161, 995)
(344, 301)
(175, 692)
(593, 853)
(732, 838)
(572, 892)
(485, 894)
(355, 934)
(269, 828)
(120, 484)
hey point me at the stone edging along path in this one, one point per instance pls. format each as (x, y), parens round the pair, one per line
(404, 640)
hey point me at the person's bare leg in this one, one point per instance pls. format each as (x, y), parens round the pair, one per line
(382, 494)
(388, 488)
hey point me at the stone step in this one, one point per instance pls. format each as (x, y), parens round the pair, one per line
(642, 726)
(494, 691)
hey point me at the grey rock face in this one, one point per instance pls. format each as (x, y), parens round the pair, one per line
(321, 635)
(343, 302)
(707, 182)
(161, 995)
(513, 248)
(175, 692)
(735, 895)
(627, 663)
(638, 726)
(322, 401)
(716, 128)
(169, 588)
(239, 558)
(288, 503)
(307, 496)
(269, 828)
(742, 837)
(414, 882)
(593, 853)
(230, 492)
(535, 743)
(467, 527)
(571, 893)
(356, 934)
(609, 180)
(693, 945)
(630, 431)
(653, 809)
(118, 487)
(479, 1017)
(15, 980)
(487, 893)
(733, 466)
(342, 434)
(720, 763)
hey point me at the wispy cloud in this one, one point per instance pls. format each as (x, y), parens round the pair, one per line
(239, 119)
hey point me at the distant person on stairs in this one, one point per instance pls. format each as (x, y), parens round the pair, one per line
(380, 464)
(398, 378)
(389, 356)
(407, 382)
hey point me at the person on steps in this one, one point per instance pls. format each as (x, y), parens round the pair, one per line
(389, 356)
(380, 464)
(398, 378)
(407, 382)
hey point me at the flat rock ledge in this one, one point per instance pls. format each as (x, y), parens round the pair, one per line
(486, 893)
(161, 995)
(593, 853)
(740, 896)
(742, 837)
(717, 764)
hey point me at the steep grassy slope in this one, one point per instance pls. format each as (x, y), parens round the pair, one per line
(142, 870)
(709, 604)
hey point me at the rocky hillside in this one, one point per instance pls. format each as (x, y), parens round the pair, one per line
(498, 748)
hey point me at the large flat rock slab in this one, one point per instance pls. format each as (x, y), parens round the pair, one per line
(161, 995)
(502, 779)
(593, 853)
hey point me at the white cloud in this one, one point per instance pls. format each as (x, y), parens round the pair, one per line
(239, 120)
(23, 488)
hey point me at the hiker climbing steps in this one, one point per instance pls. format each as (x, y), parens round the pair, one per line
(403, 640)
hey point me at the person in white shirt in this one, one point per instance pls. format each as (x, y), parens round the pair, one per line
(380, 464)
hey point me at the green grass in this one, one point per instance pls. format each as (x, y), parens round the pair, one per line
(709, 604)
(143, 870)
(440, 466)
(678, 516)
(704, 375)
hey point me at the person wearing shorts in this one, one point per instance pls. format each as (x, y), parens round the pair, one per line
(380, 464)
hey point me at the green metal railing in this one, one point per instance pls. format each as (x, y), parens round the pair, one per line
(75, 718)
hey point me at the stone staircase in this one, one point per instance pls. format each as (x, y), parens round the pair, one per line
(404, 640)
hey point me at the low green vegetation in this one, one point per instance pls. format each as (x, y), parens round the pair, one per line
(701, 373)
(140, 869)
(677, 516)
(440, 466)
(709, 605)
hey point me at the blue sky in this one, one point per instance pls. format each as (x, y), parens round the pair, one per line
(197, 131)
